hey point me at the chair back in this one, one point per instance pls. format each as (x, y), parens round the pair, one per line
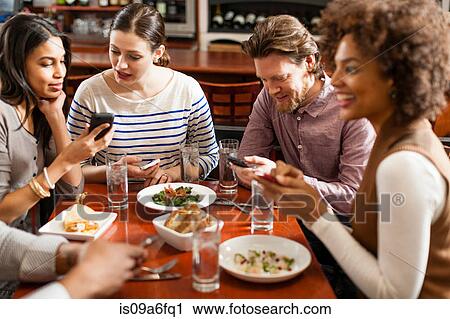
(73, 81)
(231, 103)
(441, 125)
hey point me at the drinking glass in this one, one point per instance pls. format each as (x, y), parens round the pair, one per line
(190, 169)
(227, 177)
(117, 182)
(205, 259)
(262, 209)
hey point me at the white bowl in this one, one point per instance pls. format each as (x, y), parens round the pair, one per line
(206, 195)
(279, 245)
(178, 240)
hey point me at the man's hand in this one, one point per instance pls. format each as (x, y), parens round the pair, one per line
(259, 165)
(103, 269)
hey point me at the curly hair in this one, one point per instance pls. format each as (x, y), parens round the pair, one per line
(410, 40)
(283, 35)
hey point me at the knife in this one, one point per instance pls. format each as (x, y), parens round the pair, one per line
(151, 277)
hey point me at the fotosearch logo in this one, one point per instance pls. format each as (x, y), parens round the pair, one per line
(298, 205)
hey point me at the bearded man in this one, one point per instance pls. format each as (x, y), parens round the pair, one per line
(298, 108)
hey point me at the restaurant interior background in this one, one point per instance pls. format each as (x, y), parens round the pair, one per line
(203, 40)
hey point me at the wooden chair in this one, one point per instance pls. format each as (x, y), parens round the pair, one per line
(231, 103)
(73, 81)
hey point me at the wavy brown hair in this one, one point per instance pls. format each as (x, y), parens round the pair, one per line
(283, 35)
(410, 40)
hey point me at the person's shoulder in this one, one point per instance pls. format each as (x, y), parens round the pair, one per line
(93, 83)
(6, 109)
(185, 80)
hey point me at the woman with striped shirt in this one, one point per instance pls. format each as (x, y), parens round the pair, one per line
(156, 108)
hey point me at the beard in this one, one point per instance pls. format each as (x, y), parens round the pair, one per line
(294, 101)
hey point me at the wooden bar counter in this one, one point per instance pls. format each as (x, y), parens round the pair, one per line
(202, 65)
(134, 224)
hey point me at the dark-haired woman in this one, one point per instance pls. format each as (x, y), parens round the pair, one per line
(156, 108)
(35, 148)
(392, 67)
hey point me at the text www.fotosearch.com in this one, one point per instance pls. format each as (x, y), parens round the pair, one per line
(231, 309)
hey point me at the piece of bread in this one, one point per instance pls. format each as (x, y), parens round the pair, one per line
(73, 222)
(185, 220)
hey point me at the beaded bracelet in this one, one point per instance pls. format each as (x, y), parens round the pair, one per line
(47, 179)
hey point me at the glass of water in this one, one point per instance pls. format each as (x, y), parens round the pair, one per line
(190, 169)
(117, 182)
(262, 209)
(227, 177)
(205, 259)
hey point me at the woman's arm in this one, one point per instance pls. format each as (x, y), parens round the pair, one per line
(16, 203)
(403, 242)
(52, 109)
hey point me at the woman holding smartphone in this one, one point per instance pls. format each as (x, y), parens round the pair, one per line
(36, 151)
(156, 109)
(392, 67)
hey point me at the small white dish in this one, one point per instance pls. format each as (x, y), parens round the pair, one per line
(56, 226)
(178, 240)
(279, 245)
(206, 195)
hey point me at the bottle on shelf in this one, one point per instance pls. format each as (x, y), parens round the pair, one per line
(150, 3)
(123, 2)
(113, 2)
(103, 3)
(260, 18)
(228, 19)
(83, 2)
(161, 6)
(172, 8)
(250, 20)
(59, 2)
(217, 19)
(70, 2)
(238, 21)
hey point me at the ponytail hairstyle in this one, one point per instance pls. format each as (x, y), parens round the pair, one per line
(147, 23)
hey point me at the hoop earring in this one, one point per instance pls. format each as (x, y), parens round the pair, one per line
(393, 94)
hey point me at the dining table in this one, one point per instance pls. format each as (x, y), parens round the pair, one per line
(134, 224)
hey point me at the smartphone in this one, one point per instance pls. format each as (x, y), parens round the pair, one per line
(237, 162)
(151, 164)
(98, 119)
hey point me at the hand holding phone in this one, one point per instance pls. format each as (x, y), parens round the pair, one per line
(238, 162)
(98, 119)
(151, 164)
(268, 178)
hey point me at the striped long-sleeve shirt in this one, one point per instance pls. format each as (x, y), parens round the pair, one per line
(150, 128)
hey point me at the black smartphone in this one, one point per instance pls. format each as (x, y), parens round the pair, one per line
(237, 162)
(98, 119)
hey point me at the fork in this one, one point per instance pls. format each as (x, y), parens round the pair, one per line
(165, 267)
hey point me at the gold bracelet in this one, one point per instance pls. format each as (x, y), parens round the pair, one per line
(41, 189)
(38, 189)
(33, 188)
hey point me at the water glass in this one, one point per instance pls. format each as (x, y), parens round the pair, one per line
(262, 209)
(190, 169)
(117, 182)
(227, 177)
(205, 259)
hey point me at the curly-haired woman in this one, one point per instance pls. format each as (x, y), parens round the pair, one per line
(392, 67)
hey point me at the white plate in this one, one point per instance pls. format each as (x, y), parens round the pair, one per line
(207, 195)
(178, 240)
(56, 226)
(279, 245)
